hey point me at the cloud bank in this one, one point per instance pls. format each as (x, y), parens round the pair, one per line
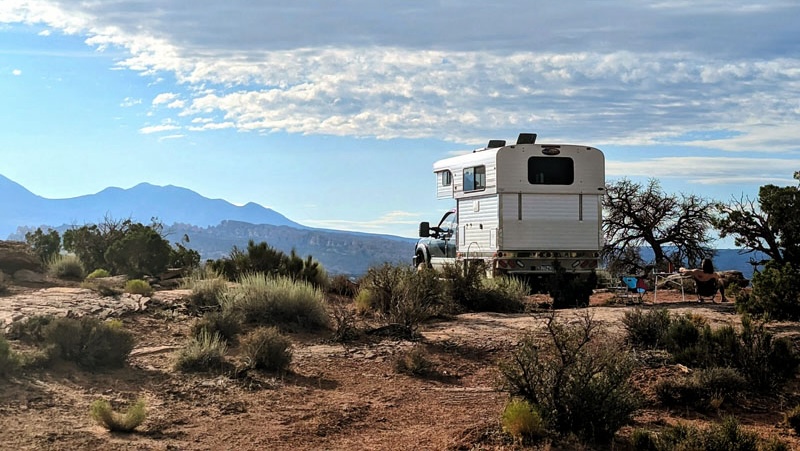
(619, 73)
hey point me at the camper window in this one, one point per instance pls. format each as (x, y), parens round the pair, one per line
(551, 171)
(475, 178)
(447, 178)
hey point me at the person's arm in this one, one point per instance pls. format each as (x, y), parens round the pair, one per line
(689, 272)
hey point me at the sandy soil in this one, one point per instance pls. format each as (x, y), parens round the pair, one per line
(336, 396)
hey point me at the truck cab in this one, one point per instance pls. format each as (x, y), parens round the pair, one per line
(437, 245)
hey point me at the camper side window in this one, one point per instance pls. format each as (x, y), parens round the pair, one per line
(447, 178)
(475, 178)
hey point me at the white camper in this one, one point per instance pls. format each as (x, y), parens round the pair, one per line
(521, 208)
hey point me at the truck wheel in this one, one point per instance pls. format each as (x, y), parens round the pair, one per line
(421, 263)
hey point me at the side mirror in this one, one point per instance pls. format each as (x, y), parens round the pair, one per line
(424, 229)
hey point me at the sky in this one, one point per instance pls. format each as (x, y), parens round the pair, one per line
(333, 113)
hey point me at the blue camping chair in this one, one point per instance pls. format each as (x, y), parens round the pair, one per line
(635, 288)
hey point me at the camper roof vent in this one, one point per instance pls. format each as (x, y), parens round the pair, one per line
(496, 143)
(526, 138)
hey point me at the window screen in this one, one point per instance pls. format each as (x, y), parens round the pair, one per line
(551, 171)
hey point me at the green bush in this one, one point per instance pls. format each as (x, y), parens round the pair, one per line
(138, 286)
(765, 360)
(724, 436)
(105, 416)
(577, 375)
(266, 348)
(89, 342)
(522, 420)
(643, 440)
(202, 353)
(66, 267)
(277, 301)
(646, 329)
(98, 273)
(264, 259)
(467, 287)
(9, 361)
(704, 388)
(776, 292)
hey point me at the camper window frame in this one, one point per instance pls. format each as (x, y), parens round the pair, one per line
(475, 171)
(555, 173)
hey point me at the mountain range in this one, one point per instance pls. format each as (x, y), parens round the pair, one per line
(213, 226)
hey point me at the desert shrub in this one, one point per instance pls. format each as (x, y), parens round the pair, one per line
(577, 375)
(89, 342)
(138, 286)
(725, 436)
(208, 287)
(98, 273)
(343, 286)
(522, 420)
(277, 301)
(201, 353)
(402, 295)
(792, 418)
(105, 416)
(263, 258)
(643, 440)
(344, 323)
(506, 294)
(463, 283)
(683, 340)
(66, 267)
(413, 362)
(226, 323)
(266, 348)
(646, 329)
(775, 293)
(702, 389)
(30, 330)
(765, 360)
(9, 361)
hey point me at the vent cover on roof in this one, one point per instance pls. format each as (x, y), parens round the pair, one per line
(496, 143)
(526, 138)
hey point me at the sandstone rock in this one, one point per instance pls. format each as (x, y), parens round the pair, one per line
(16, 255)
(28, 276)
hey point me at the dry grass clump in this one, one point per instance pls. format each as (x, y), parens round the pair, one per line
(276, 301)
(9, 361)
(522, 420)
(66, 267)
(138, 286)
(266, 348)
(105, 416)
(203, 352)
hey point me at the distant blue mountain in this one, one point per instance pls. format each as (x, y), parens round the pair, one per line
(169, 204)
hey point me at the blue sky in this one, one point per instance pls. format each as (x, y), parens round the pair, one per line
(332, 113)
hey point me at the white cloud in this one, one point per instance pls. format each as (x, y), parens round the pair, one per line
(16, 72)
(708, 170)
(634, 73)
(129, 102)
(164, 127)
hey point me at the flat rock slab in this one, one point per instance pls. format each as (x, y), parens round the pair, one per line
(76, 302)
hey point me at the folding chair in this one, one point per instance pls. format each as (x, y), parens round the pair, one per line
(706, 291)
(635, 288)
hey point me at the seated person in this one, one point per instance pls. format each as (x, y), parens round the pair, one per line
(704, 275)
